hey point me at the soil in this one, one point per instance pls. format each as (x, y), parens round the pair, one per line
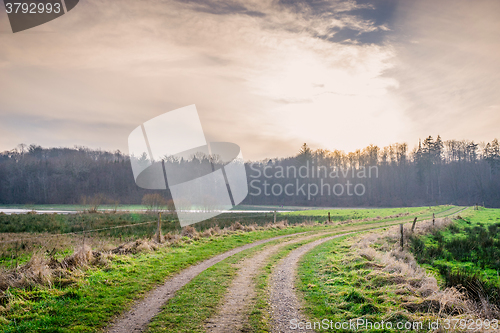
(141, 313)
(285, 305)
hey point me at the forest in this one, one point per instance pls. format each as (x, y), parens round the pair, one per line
(434, 172)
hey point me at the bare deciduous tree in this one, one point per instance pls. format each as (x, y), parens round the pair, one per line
(154, 202)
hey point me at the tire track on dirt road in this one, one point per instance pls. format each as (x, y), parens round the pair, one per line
(285, 305)
(137, 318)
(232, 314)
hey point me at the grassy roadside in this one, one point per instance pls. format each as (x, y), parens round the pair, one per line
(340, 283)
(334, 285)
(466, 253)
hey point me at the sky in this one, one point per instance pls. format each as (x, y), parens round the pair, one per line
(266, 75)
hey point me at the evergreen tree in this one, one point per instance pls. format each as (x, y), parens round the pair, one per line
(492, 155)
(305, 153)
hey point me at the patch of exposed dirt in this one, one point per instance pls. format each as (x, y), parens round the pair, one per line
(233, 313)
(283, 299)
(137, 318)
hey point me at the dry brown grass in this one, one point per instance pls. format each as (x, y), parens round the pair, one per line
(207, 233)
(44, 268)
(53, 244)
(190, 231)
(237, 226)
(420, 292)
(137, 246)
(282, 225)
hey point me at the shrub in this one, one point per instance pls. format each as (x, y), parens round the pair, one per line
(154, 202)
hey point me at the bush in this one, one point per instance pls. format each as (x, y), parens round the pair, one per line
(154, 202)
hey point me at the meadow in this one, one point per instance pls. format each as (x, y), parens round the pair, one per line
(465, 254)
(23, 234)
(447, 271)
(85, 296)
(91, 277)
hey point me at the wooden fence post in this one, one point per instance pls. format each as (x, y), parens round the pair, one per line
(158, 232)
(433, 219)
(329, 219)
(413, 225)
(17, 255)
(402, 235)
(274, 217)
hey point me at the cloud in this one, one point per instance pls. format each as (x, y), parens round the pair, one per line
(268, 75)
(220, 7)
(448, 69)
(348, 22)
(127, 62)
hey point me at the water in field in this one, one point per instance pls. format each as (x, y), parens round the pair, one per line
(10, 211)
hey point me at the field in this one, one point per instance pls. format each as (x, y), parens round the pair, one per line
(466, 253)
(107, 207)
(359, 275)
(22, 234)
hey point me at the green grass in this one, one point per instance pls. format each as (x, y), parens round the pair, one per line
(358, 214)
(269, 207)
(198, 300)
(466, 253)
(332, 280)
(334, 286)
(104, 293)
(101, 294)
(376, 214)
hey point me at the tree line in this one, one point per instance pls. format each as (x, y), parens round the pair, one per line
(434, 172)
(35, 175)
